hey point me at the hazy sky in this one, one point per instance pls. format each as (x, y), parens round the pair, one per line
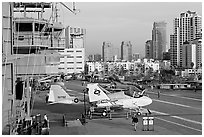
(119, 21)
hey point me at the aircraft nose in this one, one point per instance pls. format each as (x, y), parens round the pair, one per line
(144, 101)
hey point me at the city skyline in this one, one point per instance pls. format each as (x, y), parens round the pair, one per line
(119, 21)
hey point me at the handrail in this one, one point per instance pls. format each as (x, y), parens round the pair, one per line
(36, 39)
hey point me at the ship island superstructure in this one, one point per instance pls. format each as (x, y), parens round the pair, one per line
(34, 47)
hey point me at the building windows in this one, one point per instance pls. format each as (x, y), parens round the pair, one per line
(70, 51)
(24, 27)
(78, 56)
(71, 30)
(70, 56)
(78, 51)
(75, 30)
(70, 62)
(79, 68)
(39, 27)
(79, 62)
(60, 50)
(60, 68)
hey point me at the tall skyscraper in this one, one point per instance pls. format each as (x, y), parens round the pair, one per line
(198, 42)
(148, 49)
(126, 51)
(187, 27)
(158, 39)
(188, 54)
(192, 53)
(107, 51)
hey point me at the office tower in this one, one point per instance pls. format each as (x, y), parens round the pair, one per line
(191, 53)
(107, 51)
(148, 49)
(73, 55)
(198, 42)
(126, 51)
(158, 40)
(188, 55)
(187, 27)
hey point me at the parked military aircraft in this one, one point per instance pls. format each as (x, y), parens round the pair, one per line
(102, 98)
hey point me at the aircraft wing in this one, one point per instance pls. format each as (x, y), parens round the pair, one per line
(118, 95)
(143, 101)
(96, 93)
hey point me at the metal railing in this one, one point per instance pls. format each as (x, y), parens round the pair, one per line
(26, 39)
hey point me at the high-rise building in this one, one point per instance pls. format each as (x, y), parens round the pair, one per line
(72, 58)
(191, 53)
(175, 48)
(107, 51)
(187, 27)
(148, 49)
(126, 51)
(188, 55)
(198, 42)
(158, 40)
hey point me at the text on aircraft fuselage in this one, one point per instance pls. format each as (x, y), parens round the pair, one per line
(61, 96)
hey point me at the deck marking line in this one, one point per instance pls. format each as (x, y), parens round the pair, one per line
(180, 124)
(188, 120)
(181, 105)
(176, 96)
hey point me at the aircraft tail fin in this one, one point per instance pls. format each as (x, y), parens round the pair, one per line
(58, 95)
(96, 93)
